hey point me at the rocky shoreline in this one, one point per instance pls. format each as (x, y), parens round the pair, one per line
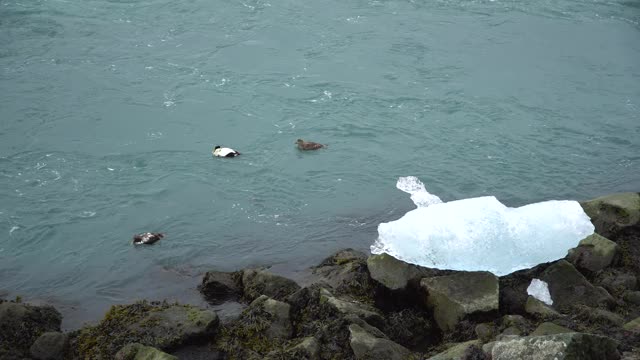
(377, 307)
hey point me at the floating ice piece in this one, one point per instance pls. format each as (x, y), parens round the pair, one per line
(481, 234)
(540, 290)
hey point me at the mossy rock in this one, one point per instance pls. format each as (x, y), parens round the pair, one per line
(613, 213)
(452, 297)
(256, 282)
(539, 309)
(633, 325)
(22, 324)
(141, 352)
(594, 253)
(159, 325)
(346, 273)
(50, 346)
(549, 328)
(367, 346)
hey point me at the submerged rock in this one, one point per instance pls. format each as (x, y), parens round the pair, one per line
(453, 297)
(260, 282)
(569, 346)
(160, 325)
(141, 352)
(568, 287)
(367, 346)
(50, 346)
(614, 213)
(21, 325)
(594, 253)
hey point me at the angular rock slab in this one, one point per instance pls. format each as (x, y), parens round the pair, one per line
(538, 308)
(549, 328)
(363, 311)
(141, 352)
(456, 352)
(279, 317)
(612, 213)
(568, 287)
(395, 274)
(453, 297)
(218, 287)
(367, 346)
(593, 253)
(569, 346)
(633, 325)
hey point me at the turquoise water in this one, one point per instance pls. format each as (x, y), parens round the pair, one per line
(109, 111)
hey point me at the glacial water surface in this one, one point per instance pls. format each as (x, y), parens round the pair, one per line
(109, 110)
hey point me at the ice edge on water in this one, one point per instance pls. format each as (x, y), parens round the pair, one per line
(480, 234)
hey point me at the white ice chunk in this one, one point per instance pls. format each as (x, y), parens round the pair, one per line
(481, 234)
(540, 290)
(419, 194)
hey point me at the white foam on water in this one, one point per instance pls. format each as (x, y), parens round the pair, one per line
(481, 234)
(540, 290)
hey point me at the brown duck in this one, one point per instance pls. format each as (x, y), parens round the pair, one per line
(309, 145)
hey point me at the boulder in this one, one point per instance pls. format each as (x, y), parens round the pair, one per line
(599, 316)
(567, 346)
(614, 213)
(633, 325)
(632, 297)
(345, 307)
(367, 346)
(617, 281)
(538, 308)
(21, 325)
(260, 282)
(307, 349)
(218, 287)
(161, 325)
(485, 332)
(568, 287)
(395, 274)
(594, 253)
(279, 319)
(140, 352)
(549, 328)
(452, 297)
(345, 272)
(456, 351)
(50, 346)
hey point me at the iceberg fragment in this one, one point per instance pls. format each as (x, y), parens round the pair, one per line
(481, 234)
(540, 290)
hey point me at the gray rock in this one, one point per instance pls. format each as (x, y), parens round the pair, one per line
(395, 274)
(140, 352)
(456, 351)
(22, 324)
(260, 282)
(307, 349)
(613, 213)
(632, 297)
(549, 328)
(367, 346)
(342, 257)
(594, 253)
(599, 315)
(568, 287)
(452, 297)
(366, 312)
(515, 321)
(218, 287)
(617, 281)
(50, 346)
(485, 332)
(568, 346)
(280, 321)
(540, 309)
(346, 273)
(633, 325)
